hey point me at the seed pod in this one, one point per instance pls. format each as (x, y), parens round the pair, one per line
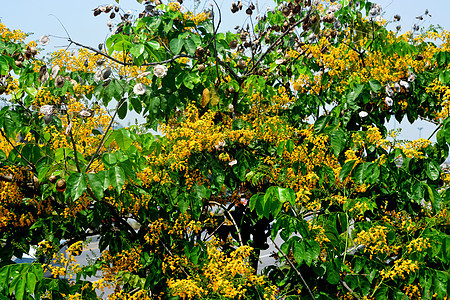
(19, 64)
(106, 73)
(28, 54)
(112, 15)
(97, 12)
(286, 11)
(241, 64)
(248, 11)
(52, 178)
(231, 89)
(116, 8)
(200, 51)
(296, 9)
(35, 183)
(201, 68)
(233, 44)
(48, 118)
(61, 185)
(59, 82)
(243, 35)
(276, 28)
(33, 51)
(419, 57)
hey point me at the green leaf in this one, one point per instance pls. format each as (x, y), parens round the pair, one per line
(332, 273)
(117, 178)
(76, 185)
(337, 140)
(122, 111)
(346, 170)
(351, 97)
(299, 251)
(95, 182)
(375, 85)
(31, 282)
(175, 46)
(19, 291)
(190, 46)
(365, 172)
(433, 170)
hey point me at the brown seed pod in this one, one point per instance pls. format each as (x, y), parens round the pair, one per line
(248, 11)
(52, 179)
(231, 89)
(276, 28)
(329, 18)
(200, 51)
(33, 51)
(35, 182)
(241, 64)
(201, 68)
(59, 81)
(28, 54)
(97, 12)
(19, 64)
(233, 44)
(419, 57)
(61, 185)
(296, 9)
(112, 15)
(116, 8)
(313, 20)
(286, 11)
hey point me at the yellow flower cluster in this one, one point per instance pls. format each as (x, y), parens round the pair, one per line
(225, 277)
(375, 241)
(11, 35)
(418, 244)
(64, 264)
(401, 266)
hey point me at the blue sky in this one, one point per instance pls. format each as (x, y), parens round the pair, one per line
(36, 17)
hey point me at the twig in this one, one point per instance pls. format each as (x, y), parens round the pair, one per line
(126, 63)
(231, 219)
(171, 254)
(293, 267)
(14, 147)
(344, 284)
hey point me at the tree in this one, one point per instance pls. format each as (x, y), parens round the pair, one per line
(271, 134)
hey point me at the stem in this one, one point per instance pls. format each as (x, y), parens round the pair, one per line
(293, 267)
(231, 219)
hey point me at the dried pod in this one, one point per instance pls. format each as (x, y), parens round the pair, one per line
(106, 73)
(102, 8)
(248, 11)
(231, 89)
(292, 20)
(276, 28)
(33, 51)
(234, 7)
(241, 64)
(52, 179)
(286, 11)
(233, 44)
(59, 81)
(200, 51)
(201, 68)
(35, 183)
(28, 54)
(100, 62)
(19, 64)
(247, 44)
(397, 18)
(243, 35)
(419, 57)
(48, 118)
(116, 8)
(97, 12)
(296, 9)
(61, 185)
(329, 18)
(112, 15)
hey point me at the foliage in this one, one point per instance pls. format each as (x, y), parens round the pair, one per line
(271, 135)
